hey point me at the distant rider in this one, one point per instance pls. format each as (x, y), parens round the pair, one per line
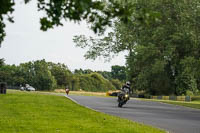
(67, 90)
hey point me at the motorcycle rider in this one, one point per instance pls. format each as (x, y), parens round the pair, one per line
(126, 86)
(123, 89)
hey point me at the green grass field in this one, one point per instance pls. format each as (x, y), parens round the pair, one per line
(27, 112)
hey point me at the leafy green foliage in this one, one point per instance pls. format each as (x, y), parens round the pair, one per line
(163, 44)
(61, 74)
(118, 84)
(81, 71)
(167, 42)
(11, 75)
(2, 62)
(107, 75)
(38, 75)
(93, 82)
(118, 72)
(6, 8)
(47, 76)
(100, 80)
(188, 80)
(97, 13)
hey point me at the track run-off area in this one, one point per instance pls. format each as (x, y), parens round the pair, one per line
(172, 118)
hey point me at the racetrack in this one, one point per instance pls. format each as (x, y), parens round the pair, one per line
(175, 119)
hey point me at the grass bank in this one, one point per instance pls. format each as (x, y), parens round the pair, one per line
(192, 104)
(26, 112)
(84, 93)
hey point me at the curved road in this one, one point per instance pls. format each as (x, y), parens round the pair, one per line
(175, 119)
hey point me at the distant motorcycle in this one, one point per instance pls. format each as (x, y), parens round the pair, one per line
(123, 97)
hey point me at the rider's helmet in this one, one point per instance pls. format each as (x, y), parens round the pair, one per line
(128, 83)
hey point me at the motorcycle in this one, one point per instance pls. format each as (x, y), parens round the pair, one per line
(123, 97)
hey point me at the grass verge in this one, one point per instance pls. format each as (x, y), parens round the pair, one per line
(25, 112)
(84, 93)
(186, 104)
(192, 104)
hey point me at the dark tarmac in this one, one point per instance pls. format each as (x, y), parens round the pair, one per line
(175, 119)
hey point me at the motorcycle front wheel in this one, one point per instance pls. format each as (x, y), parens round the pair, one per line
(120, 104)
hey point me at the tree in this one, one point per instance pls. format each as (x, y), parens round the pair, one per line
(44, 81)
(43, 78)
(6, 8)
(2, 62)
(5, 74)
(38, 75)
(94, 82)
(162, 35)
(107, 75)
(97, 13)
(28, 72)
(118, 72)
(61, 73)
(81, 71)
(11, 75)
(188, 79)
(48, 75)
(116, 83)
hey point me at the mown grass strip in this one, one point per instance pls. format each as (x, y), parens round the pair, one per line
(83, 93)
(23, 112)
(195, 105)
(192, 104)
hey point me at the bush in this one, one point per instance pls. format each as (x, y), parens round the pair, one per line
(189, 93)
(116, 83)
(93, 82)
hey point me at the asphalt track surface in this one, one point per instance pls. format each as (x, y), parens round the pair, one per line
(175, 119)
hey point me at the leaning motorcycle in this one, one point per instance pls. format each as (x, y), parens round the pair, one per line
(123, 97)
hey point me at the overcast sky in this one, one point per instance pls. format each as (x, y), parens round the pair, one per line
(25, 42)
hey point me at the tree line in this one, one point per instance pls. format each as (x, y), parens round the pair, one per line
(162, 39)
(49, 76)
